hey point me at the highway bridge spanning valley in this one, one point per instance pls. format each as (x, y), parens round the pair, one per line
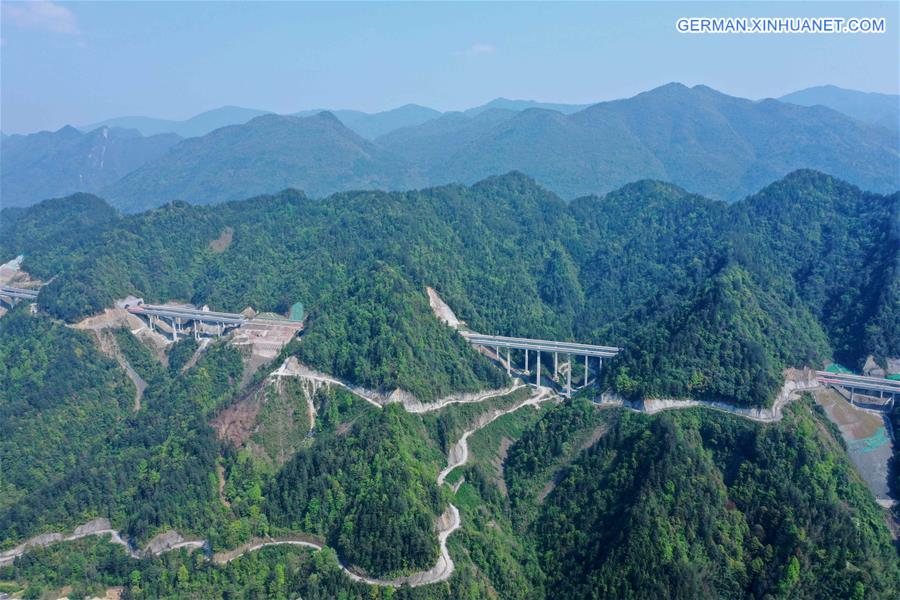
(871, 387)
(12, 295)
(184, 319)
(568, 349)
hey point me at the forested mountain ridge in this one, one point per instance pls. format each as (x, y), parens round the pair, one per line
(48, 164)
(271, 152)
(710, 143)
(878, 109)
(511, 257)
(696, 503)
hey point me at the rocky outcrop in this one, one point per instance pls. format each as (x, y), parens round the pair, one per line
(441, 310)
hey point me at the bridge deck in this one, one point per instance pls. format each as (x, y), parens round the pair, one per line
(15, 292)
(878, 384)
(172, 312)
(541, 345)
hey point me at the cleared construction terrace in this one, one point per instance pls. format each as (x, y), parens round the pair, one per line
(183, 319)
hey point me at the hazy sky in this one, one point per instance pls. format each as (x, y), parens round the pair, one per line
(79, 63)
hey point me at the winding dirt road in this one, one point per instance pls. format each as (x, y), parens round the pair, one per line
(447, 523)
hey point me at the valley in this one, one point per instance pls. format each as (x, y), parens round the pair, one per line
(449, 301)
(290, 434)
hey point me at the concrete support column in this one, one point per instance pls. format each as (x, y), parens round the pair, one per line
(538, 380)
(508, 361)
(569, 378)
(174, 331)
(586, 373)
(526, 362)
(555, 364)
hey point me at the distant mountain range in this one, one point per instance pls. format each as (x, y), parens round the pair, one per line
(368, 125)
(198, 125)
(877, 109)
(708, 142)
(705, 141)
(872, 108)
(317, 154)
(49, 164)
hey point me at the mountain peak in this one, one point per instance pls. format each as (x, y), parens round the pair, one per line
(328, 116)
(67, 130)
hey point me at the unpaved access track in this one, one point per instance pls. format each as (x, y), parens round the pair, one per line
(447, 523)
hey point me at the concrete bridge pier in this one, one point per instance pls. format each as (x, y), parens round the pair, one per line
(526, 362)
(555, 365)
(569, 377)
(586, 370)
(538, 379)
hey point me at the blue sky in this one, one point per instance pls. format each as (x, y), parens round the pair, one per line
(79, 63)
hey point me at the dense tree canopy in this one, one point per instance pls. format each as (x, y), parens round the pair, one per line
(510, 258)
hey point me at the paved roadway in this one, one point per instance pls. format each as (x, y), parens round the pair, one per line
(541, 345)
(860, 382)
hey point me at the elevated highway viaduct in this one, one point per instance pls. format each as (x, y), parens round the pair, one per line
(862, 385)
(12, 295)
(568, 349)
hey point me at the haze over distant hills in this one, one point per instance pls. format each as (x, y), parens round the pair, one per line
(869, 107)
(368, 125)
(708, 142)
(517, 105)
(197, 125)
(48, 164)
(317, 154)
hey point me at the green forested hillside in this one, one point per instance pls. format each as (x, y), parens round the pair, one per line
(370, 492)
(695, 505)
(681, 505)
(707, 299)
(81, 452)
(837, 247)
(730, 340)
(59, 399)
(818, 277)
